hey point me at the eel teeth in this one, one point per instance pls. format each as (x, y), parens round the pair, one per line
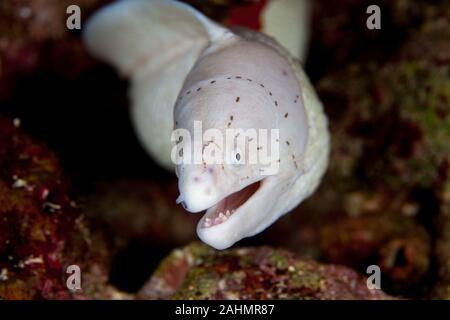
(222, 217)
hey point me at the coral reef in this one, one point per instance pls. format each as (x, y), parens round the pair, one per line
(42, 231)
(399, 246)
(389, 118)
(397, 119)
(199, 272)
(441, 288)
(34, 36)
(341, 29)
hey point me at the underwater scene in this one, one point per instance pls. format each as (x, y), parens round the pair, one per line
(224, 150)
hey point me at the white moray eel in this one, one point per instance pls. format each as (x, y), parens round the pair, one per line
(185, 68)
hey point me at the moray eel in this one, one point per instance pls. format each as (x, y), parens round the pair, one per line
(189, 73)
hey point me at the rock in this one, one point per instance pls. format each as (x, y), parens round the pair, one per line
(34, 37)
(389, 116)
(199, 272)
(397, 115)
(401, 247)
(399, 129)
(441, 288)
(42, 230)
(340, 32)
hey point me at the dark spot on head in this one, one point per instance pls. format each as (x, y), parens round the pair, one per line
(250, 80)
(229, 124)
(214, 81)
(180, 153)
(198, 89)
(262, 86)
(237, 99)
(286, 115)
(238, 77)
(276, 103)
(228, 78)
(176, 123)
(287, 142)
(189, 92)
(231, 118)
(270, 93)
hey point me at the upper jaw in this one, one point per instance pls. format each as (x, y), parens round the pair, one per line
(203, 188)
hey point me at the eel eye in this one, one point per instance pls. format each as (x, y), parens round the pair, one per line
(237, 157)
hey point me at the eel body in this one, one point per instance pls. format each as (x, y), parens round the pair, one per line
(230, 110)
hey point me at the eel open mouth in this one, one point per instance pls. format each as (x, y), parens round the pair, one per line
(220, 212)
